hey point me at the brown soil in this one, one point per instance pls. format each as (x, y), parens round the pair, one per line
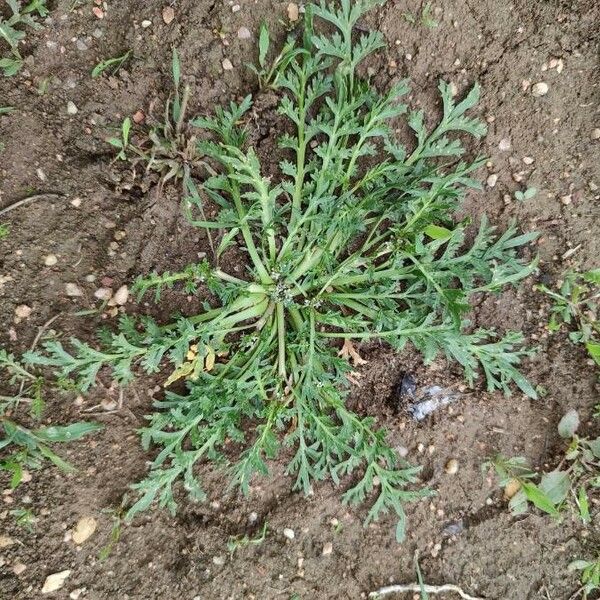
(499, 44)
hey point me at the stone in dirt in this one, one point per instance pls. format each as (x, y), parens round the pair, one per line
(55, 581)
(168, 14)
(84, 529)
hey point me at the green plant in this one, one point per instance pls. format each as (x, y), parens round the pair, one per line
(25, 518)
(6, 110)
(24, 447)
(238, 542)
(582, 474)
(576, 304)
(339, 247)
(117, 517)
(590, 575)
(169, 148)
(13, 31)
(516, 477)
(4, 230)
(122, 143)
(528, 194)
(424, 18)
(268, 74)
(114, 64)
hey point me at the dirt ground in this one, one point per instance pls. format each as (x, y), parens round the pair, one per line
(503, 45)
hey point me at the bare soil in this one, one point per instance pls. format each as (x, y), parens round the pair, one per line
(500, 44)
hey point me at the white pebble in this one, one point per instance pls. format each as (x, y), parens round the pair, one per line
(327, 548)
(121, 296)
(504, 145)
(227, 65)
(492, 179)
(289, 533)
(50, 260)
(73, 290)
(528, 160)
(22, 311)
(292, 11)
(146, 23)
(244, 33)
(540, 89)
(219, 560)
(103, 293)
(71, 108)
(595, 135)
(451, 466)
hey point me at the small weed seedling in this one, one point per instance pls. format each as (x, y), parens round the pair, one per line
(122, 143)
(169, 148)
(111, 64)
(25, 518)
(425, 18)
(27, 448)
(13, 31)
(517, 478)
(238, 542)
(4, 230)
(340, 248)
(576, 305)
(268, 73)
(528, 194)
(590, 576)
(582, 474)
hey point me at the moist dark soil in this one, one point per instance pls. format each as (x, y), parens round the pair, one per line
(86, 199)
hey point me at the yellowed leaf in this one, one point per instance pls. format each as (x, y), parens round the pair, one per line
(182, 370)
(210, 358)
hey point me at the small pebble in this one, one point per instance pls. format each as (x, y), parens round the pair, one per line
(81, 45)
(451, 467)
(236, 8)
(84, 529)
(22, 311)
(121, 296)
(327, 548)
(98, 12)
(138, 117)
(292, 11)
(50, 260)
(540, 89)
(595, 135)
(527, 160)
(504, 145)
(289, 533)
(71, 108)
(18, 568)
(492, 180)
(55, 581)
(103, 293)
(219, 560)
(227, 65)
(76, 202)
(146, 23)
(244, 33)
(168, 14)
(73, 290)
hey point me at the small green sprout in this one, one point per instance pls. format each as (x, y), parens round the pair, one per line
(122, 143)
(576, 305)
(590, 576)
(238, 542)
(13, 31)
(528, 194)
(112, 64)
